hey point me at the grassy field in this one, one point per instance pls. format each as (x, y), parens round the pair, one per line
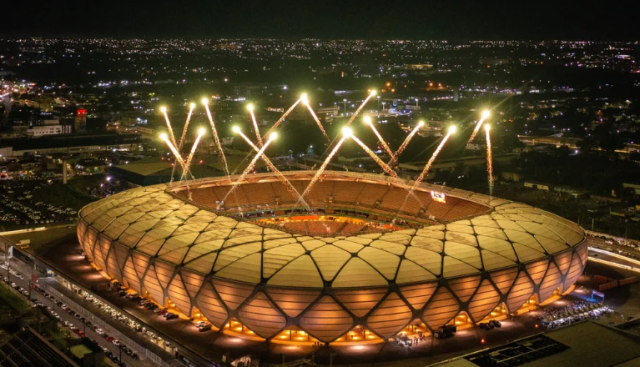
(74, 194)
(58, 337)
(13, 300)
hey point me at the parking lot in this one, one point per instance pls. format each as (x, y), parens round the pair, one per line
(20, 205)
(19, 278)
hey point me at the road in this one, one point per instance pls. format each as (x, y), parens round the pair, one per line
(613, 259)
(22, 269)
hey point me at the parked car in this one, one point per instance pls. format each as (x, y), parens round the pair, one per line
(204, 327)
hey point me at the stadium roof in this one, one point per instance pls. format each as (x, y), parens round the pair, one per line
(157, 224)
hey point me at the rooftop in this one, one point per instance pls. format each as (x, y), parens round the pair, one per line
(586, 344)
(156, 223)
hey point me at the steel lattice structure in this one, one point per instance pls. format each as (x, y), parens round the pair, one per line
(482, 252)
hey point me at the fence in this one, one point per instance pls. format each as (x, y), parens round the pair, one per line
(609, 285)
(143, 353)
(629, 280)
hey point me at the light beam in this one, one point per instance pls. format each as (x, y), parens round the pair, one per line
(288, 185)
(487, 128)
(284, 115)
(485, 115)
(246, 171)
(205, 102)
(305, 101)
(255, 125)
(405, 143)
(355, 114)
(367, 120)
(201, 132)
(426, 168)
(192, 106)
(373, 156)
(173, 149)
(346, 133)
(163, 109)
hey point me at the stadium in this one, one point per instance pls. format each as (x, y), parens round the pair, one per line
(367, 263)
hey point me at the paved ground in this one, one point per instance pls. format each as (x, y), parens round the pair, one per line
(625, 299)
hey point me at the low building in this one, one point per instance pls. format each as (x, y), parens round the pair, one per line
(538, 186)
(328, 111)
(78, 143)
(583, 344)
(633, 187)
(511, 176)
(38, 131)
(576, 193)
(144, 174)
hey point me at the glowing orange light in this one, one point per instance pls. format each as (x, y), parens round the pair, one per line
(438, 196)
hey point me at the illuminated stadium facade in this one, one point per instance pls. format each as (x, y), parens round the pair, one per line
(261, 266)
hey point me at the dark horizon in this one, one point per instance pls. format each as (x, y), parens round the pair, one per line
(425, 20)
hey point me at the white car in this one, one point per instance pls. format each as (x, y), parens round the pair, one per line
(100, 331)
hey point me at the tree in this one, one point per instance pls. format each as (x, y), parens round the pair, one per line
(587, 144)
(611, 142)
(510, 141)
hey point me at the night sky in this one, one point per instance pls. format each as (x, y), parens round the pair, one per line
(444, 19)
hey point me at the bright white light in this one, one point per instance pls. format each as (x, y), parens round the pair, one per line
(163, 109)
(273, 136)
(304, 98)
(201, 131)
(373, 92)
(236, 129)
(487, 127)
(192, 105)
(420, 123)
(250, 107)
(205, 101)
(367, 120)
(452, 129)
(486, 114)
(347, 132)
(163, 136)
